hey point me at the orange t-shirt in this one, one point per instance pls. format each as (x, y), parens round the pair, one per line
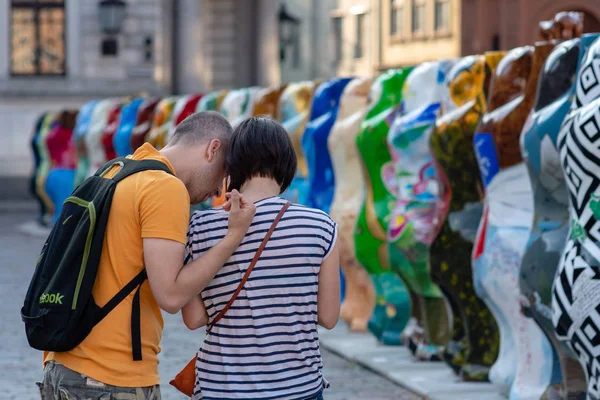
(149, 204)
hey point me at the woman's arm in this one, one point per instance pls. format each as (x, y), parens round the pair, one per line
(328, 299)
(194, 313)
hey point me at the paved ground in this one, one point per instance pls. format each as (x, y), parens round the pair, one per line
(20, 366)
(433, 380)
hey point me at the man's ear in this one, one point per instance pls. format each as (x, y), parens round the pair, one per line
(212, 149)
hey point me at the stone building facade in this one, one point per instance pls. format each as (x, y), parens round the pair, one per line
(308, 56)
(421, 30)
(86, 73)
(190, 46)
(354, 25)
(513, 23)
(397, 33)
(164, 47)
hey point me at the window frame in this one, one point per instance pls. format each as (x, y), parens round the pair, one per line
(423, 31)
(297, 52)
(397, 15)
(393, 18)
(359, 51)
(448, 28)
(338, 40)
(37, 6)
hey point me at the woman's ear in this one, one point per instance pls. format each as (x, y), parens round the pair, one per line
(212, 149)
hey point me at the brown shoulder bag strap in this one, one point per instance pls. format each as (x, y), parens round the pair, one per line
(250, 267)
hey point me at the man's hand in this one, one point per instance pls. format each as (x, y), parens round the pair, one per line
(241, 214)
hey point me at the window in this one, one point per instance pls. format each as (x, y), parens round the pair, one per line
(358, 45)
(442, 15)
(37, 29)
(396, 18)
(393, 18)
(418, 16)
(297, 55)
(337, 38)
(496, 42)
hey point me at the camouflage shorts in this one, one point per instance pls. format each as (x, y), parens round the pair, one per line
(61, 383)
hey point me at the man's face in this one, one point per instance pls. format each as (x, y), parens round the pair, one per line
(209, 176)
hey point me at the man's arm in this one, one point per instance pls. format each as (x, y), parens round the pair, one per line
(174, 286)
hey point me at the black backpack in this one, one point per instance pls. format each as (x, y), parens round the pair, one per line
(59, 310)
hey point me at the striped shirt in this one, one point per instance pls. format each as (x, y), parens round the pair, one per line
(266, 346)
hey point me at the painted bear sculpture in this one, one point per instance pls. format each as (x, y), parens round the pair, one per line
(565, 25)
(143, 122)
(267, 101)
(63, 157)
(414, 223)
(550, 213)
(392, 307)
(122, 138)
(93, 138)
(82, 126)
(163, 113)
(184, 107)
(576, 286)
(110, 130)
(323, 114)
(211, 101)
(359, 299)
(43, 216)
(525, 364)
(475, 340)
(43, 169)
(294, 109)
(238, 104)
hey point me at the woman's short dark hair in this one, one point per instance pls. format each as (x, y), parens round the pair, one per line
(261, 147)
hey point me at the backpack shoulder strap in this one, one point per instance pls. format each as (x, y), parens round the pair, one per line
(128, 167)
(136, 330)
(119, 297)
(250, 267)
(108, 165)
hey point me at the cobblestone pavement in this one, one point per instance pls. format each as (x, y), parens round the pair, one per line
(20, 366)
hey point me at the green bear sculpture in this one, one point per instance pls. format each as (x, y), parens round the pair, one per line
(392, 306)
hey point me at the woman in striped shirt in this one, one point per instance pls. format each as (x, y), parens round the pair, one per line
(266, 346)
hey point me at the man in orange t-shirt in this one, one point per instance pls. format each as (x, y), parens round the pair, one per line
(147, 228)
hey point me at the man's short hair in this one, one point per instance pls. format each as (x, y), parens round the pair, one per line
(261, 147)
(201, 127)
